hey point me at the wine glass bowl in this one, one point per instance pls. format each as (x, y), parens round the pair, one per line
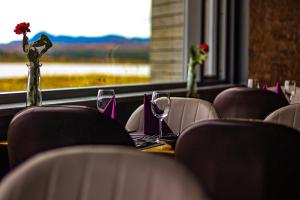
(103, 98)
(290, 88)
(160, 107)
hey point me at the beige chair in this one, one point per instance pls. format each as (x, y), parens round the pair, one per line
(288, 115)
(93, 173)
(183, 112)
(296, 98)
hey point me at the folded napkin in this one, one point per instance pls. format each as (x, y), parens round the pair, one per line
(151, 123)
(110, 108)
(265, 87)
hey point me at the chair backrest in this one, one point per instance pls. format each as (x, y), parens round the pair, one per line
(296, 98)
(4, 165)
(247, 103)
(183, 112)
(39, 129)
(288, 115)
(237, 159)
(92, 173)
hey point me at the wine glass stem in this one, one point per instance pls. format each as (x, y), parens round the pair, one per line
(160, 127)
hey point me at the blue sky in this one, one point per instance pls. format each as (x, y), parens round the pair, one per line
(130, 18)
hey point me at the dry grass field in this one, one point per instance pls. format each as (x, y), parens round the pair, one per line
(65, 81)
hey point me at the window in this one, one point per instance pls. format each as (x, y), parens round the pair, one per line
(119, 44)
(208, 24)
(96, 42)
(214, 28)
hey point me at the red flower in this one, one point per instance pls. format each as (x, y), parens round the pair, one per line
(204, 47)
(22, 28)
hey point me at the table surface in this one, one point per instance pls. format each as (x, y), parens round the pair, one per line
(165, 148)
(3, 142)
(161, 149)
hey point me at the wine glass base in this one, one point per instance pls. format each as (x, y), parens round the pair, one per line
(157, 140)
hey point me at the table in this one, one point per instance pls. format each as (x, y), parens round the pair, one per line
(162, 149)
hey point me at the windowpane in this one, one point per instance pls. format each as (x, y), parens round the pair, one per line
(210, 36)
(96, 42)
(222, 39)
(215, 34)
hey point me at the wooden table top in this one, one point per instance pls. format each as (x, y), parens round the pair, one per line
(162, 149)
(3, 142)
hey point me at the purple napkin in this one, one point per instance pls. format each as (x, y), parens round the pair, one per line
(110, 108)
(151, 123)
(279, 90)
(265, 87)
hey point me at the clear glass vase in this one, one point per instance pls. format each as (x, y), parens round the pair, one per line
(34, 95)
(191, 80)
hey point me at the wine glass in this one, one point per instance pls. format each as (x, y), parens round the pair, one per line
(253, 83)
(290, 88)
(103, 98)
(160, 107)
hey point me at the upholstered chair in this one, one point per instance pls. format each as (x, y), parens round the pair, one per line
(39, 129)
(93, 173)
(247, 160)
(247, 103)
(288, 115)
(4, 165)
(296, 98)
(183, 112)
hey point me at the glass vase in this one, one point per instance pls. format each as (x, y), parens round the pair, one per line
(191, 80)
(34, 95)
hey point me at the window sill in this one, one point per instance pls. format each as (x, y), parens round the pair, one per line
(7, 109)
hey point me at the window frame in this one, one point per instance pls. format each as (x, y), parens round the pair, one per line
(232, 54)
(195, 33)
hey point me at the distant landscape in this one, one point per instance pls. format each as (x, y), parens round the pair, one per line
(104, 49)
(105, 52)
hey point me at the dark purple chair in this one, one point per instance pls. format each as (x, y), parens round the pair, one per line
(247, 160)
(4, 166)
(241, 102)
(38, 129)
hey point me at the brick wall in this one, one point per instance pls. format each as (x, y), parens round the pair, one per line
(274, 40)
(166, 54)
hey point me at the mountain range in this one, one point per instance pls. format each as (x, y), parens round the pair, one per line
(64, 39)
(69, 48)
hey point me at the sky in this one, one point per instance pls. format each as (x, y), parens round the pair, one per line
(130, 18)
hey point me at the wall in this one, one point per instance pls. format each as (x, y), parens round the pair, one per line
(274, 43)
(166, 54)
